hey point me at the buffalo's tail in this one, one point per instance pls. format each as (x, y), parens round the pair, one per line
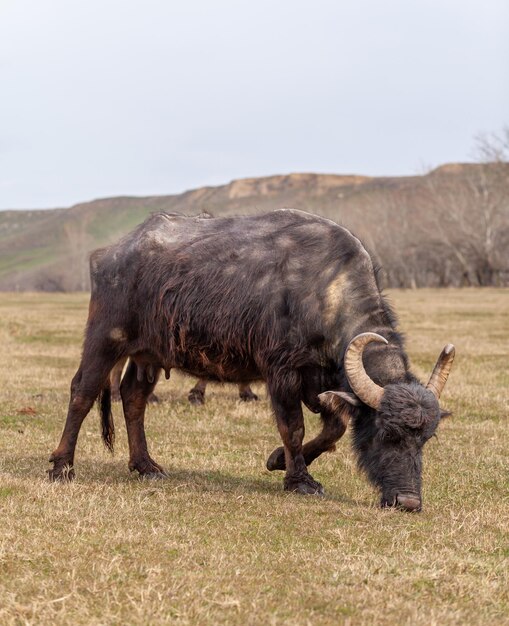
(107, 425)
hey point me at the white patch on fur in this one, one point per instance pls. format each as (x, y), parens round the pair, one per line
(284, 241)
(263, 282)
(334, 297)
(229, 270)
(117, 334)
(160, 237)
(295, 264)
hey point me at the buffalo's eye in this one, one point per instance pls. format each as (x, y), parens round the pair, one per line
(390, 429)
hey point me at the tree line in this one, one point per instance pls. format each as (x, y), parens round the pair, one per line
(455, 232)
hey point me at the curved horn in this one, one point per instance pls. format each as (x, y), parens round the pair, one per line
(368, 391)
(441, 371)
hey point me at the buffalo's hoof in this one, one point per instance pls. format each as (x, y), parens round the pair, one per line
(153, 399)
(62, 474)
(154, 476)
(147, 468)
(248, 396)
(196, 398)
(276, 460)
(305, 485)
(403, 502)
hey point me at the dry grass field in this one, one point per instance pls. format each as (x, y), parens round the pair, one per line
(219, 542)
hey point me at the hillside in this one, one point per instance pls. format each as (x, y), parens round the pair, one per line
(396, 217)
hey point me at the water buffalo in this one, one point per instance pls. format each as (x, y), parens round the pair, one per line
(196, 394)
(287, 297)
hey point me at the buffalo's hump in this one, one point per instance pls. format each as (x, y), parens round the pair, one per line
(236, 289)
(287, 246)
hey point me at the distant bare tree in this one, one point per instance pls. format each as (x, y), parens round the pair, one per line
(467, 220)
(390, 236)
(492, 148)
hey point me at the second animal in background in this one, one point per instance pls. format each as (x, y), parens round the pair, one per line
(196, 394)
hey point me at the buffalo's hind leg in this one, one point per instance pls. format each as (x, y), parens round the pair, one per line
(135, 394)
(91, 377)
(246, 394)
(335, 420)
(290, 423)
(197, 394)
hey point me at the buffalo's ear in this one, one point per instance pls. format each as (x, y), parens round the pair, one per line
(445, 414)
(331, 398)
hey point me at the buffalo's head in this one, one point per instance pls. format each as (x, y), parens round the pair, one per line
(389, 438)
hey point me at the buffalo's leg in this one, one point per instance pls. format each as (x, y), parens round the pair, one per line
(334, 420)
(115, 378)
(290, 423)
(197, 394)
(153, 399)
(135, 394)
(246, 394)
(91, 377)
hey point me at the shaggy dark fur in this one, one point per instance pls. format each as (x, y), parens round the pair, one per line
(273, 297)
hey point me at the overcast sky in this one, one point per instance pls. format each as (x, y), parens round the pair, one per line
(105, 97)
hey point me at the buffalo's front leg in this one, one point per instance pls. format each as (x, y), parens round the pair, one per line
(290, 423)
(135, 394)
(335, 420)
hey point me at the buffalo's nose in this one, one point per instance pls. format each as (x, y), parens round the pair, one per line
(409, 503)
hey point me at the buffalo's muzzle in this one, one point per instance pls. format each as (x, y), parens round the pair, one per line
(404, 501)
(408, 502)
